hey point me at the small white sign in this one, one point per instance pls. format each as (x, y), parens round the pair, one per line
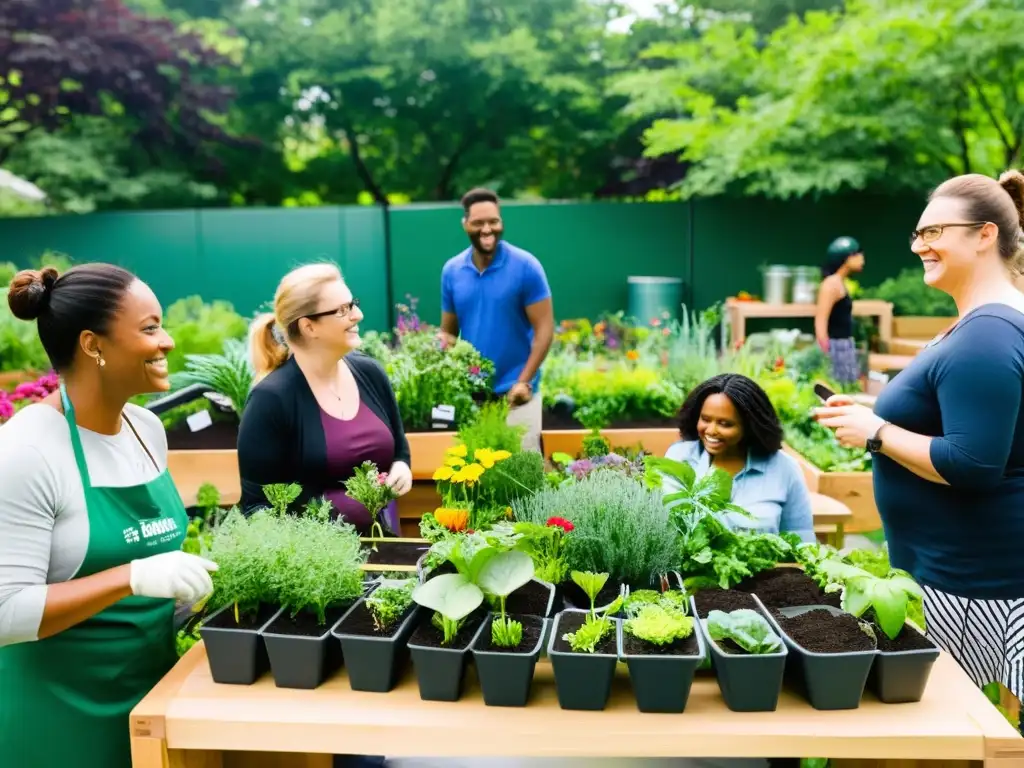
(443, 413)
(200, 420)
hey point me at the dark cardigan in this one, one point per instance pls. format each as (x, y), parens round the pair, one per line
(281, 437)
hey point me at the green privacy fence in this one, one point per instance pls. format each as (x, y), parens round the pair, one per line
(589, 250)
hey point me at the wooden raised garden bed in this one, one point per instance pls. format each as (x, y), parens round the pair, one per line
(854, 489)
(570, 441)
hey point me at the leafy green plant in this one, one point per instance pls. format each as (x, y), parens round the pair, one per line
(229, 374)
(620, 527)
(519, 476)
(281, 496)
(710, 552)
(660, 624)
(452, 597)
(745, 627)
(389, 602)
(246, 550)
(888, 597)
(369, 486)
(200, 328)
(545, 544)
(910, 295)
(597, 624)
(489, 429)
(638, 599)
(501, 575)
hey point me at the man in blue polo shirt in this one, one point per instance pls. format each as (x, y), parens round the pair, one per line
(496, 296)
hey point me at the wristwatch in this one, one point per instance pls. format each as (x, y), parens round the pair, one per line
(874, 443)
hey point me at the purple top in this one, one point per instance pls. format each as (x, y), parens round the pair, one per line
(364, 437)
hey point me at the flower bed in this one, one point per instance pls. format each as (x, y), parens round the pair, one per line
(26, 393)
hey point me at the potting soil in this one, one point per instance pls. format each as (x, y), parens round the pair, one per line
(226, 618)
(722, 600)
(634, 646)
(396, 553)
(531, 599)
(909, 639)
(360, 622)
(570, 622)
(787, 588)
(428, 635)
(305, 624)
(533, 627)
(819, 631)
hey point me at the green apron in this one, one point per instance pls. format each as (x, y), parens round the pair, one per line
(65, 700)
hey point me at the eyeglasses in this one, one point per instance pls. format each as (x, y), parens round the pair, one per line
(933, 232)
(342, 311)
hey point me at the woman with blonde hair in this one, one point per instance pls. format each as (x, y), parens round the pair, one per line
(948, 432)
(321, 408)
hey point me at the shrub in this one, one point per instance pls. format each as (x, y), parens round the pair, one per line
(620, 527)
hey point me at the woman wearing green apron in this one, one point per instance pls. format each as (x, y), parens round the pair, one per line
(91, 527)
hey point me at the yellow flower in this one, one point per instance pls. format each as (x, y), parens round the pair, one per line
(454, 461)
(468, 474)
(489, 458)
(457, 450)
(443, 473)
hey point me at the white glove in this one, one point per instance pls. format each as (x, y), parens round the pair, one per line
(172, 575)
(400, 477)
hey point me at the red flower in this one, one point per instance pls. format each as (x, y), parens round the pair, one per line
(470, 531)
(560, 522)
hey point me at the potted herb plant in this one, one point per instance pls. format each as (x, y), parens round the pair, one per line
(440, 643)
(373, 636)
(369, 486)
(243, 599)
(506, 649)
(748, 656)
(545, 544)
(905, 656)
(318, 579)
(583, 648)
(660, 648)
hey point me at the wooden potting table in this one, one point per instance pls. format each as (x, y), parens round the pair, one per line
(188, 721)
(738, 312)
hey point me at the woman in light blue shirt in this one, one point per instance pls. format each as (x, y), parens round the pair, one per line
(728, 422)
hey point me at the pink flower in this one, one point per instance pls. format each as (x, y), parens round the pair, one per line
(474, 370)
(382, 478)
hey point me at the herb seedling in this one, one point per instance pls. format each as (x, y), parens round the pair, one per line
(745, 627)
(546, 545)
(370, 488)
(389, 602)
(281, 496)
(889, 596)
(500, 576)
(660, 624)
(597, 625)
(452, 597)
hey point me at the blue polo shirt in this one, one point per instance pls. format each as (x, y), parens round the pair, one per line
(491, 307)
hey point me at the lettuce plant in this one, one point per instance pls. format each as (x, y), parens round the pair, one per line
(660, 624)
(745, 627)
(389, 602)
(452, 597)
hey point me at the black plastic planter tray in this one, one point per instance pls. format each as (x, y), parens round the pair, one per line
(829, 681)
(237, 656)
(583, 680)
(661, 682)
(900, 677)
(506, 678)
(302, 661)
(375, 663)
(441, 671)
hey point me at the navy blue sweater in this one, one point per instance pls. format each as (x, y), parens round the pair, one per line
(964, 538)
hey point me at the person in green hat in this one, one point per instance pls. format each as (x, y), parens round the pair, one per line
(833, 320)
(91, 526)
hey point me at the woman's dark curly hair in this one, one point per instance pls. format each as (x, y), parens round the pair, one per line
(762, 432)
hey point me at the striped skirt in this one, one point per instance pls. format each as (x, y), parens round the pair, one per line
(846, 367)
(986, 637)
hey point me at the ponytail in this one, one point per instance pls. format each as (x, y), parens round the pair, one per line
(268, 352)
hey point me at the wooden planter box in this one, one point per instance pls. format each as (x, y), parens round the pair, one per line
(570, 441)
(427, 449)
(384, 567)
(912, 332)
(854, 489)
(191, 469)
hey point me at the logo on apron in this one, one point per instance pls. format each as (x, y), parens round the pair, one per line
(152, 532)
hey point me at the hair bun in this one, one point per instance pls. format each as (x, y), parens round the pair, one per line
(1013, 182)
(30, 291)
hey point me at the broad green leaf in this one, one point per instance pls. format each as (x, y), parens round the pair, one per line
(505, 573)
(745, 627)
(450, 594)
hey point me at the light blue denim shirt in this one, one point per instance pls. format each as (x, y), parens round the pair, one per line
(771, 489)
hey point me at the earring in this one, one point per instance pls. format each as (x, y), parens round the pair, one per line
(100, 362)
